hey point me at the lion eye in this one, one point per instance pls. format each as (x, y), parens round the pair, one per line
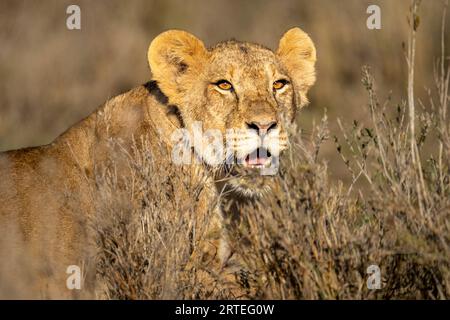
(224, 85)
(279, 84)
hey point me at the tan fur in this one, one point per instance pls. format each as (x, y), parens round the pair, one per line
(49, 191)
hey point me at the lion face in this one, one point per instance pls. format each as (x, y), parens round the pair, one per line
(242, 94)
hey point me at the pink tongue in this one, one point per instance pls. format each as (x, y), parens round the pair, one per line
(256, 160)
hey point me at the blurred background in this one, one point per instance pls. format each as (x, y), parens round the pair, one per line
(52, 77)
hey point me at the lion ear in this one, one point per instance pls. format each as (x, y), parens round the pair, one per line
(297, 53)
(173, 56)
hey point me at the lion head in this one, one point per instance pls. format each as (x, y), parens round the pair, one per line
(242, 92)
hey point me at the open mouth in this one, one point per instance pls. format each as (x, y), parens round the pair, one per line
(260, 158)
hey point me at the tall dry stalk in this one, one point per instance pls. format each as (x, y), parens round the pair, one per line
(414, 21)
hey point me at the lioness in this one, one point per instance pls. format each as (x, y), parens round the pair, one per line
(47, 192)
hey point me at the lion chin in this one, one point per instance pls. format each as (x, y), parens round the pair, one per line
(250, 181)
(254, 187)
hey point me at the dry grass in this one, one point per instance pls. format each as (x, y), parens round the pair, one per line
(147, 232)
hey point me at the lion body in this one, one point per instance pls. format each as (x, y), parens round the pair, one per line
(48, 193)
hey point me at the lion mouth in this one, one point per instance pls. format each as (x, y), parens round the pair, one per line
(259, 158)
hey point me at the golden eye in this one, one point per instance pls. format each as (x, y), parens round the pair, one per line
(279, 84)
(224, 85)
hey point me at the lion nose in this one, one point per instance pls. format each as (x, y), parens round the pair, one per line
(262, 127)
